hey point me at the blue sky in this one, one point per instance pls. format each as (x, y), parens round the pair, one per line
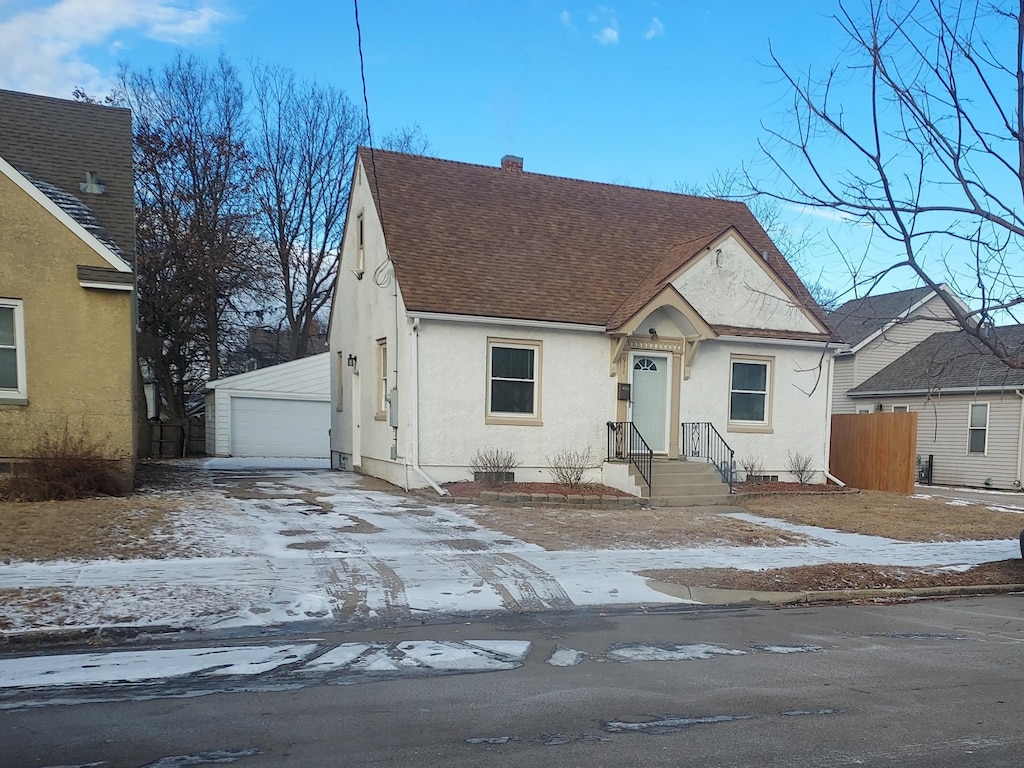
(645, 92)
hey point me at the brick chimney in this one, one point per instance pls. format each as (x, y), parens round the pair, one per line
(512, 164)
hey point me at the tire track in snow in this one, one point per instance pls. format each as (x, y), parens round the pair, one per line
(520, 584)
(357, 583)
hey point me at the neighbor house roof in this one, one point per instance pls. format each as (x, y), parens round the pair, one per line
(859, 319)
(78, 211)
(952, 360)
(56, 142)
(494, 242)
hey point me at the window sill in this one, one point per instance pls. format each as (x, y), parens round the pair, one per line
(5, 400)
(514, 421)
(760, 429)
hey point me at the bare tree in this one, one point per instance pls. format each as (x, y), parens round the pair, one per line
(919, 132)
(305, 146)
(198, 268)
(409, 139)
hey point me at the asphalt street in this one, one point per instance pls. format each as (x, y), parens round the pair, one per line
(935, 683)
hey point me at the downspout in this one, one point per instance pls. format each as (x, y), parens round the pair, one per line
(1020, 438)
(416, 409)
(828, 423)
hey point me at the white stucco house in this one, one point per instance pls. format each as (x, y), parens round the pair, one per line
(281, 411)
(486, 307)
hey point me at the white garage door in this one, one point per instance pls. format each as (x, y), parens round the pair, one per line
(270, 427)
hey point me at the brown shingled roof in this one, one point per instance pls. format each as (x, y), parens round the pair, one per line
(476, 240)
(58, 141)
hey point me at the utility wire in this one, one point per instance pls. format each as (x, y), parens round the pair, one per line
(378, 276)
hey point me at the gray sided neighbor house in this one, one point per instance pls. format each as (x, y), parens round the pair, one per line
(971, 419)
(877, 330)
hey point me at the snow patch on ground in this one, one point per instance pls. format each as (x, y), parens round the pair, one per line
(788, 648)
(450, 656)
(669, 652)
(566, 657)
(136, 666)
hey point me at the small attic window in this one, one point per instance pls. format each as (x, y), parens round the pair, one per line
(93, 184)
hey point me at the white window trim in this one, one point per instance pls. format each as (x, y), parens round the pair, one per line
(988, 417)
(528, 419)
(18, 396)
(738, 425)
(903, 408)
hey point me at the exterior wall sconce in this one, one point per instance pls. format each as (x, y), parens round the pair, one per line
(351, 362)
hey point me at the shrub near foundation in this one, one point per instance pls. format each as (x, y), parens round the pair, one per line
(64, 464)
(492, 466)
(568, 466)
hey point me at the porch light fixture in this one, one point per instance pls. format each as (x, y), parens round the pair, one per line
(654, 334)
(351, 362)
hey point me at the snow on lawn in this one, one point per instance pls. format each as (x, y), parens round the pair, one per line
(280, 546)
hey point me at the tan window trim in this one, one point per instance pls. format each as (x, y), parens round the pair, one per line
(755, 427)
(534, 419)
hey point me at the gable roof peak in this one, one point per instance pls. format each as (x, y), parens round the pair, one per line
(478, 240)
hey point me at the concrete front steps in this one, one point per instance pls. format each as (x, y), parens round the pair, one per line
(681, 483)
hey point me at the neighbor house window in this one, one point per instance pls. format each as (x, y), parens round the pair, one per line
(382, 379)
(901, 409)
(513, 387)
(12, 351)
(750, 392)
(361, 242)
(977, 430)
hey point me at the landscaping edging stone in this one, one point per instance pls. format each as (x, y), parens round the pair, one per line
(552, 500)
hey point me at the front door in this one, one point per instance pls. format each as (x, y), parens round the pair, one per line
(649, 403)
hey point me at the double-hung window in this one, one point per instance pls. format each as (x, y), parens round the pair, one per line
(12, 351)
(977, 429)
(750, 393)
(513, 386)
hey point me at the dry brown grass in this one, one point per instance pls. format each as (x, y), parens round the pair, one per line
(890, 515)
(819, 578)
(85, 529)
(659, 528)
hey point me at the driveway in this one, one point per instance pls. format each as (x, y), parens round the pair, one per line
(267, 546)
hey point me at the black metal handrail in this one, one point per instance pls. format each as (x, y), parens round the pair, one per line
(702, 441)
(626, 442)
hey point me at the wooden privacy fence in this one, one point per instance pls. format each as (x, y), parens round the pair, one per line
(875, 451)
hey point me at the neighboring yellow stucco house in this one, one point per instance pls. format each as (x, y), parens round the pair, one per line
(67, 350)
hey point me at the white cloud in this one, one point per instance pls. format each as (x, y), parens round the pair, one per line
(607, 20)
(566, 19)
(609, 35)
(656, 29)
(42, 49)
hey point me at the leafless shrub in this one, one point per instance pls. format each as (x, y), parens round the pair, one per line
(568, 466)
(799, 466)
(64, 464)
(493, 465)
(753, 468)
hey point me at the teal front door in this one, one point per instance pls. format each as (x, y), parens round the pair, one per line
(649, 398)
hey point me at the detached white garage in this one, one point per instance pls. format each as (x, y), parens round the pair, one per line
(283, 410)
